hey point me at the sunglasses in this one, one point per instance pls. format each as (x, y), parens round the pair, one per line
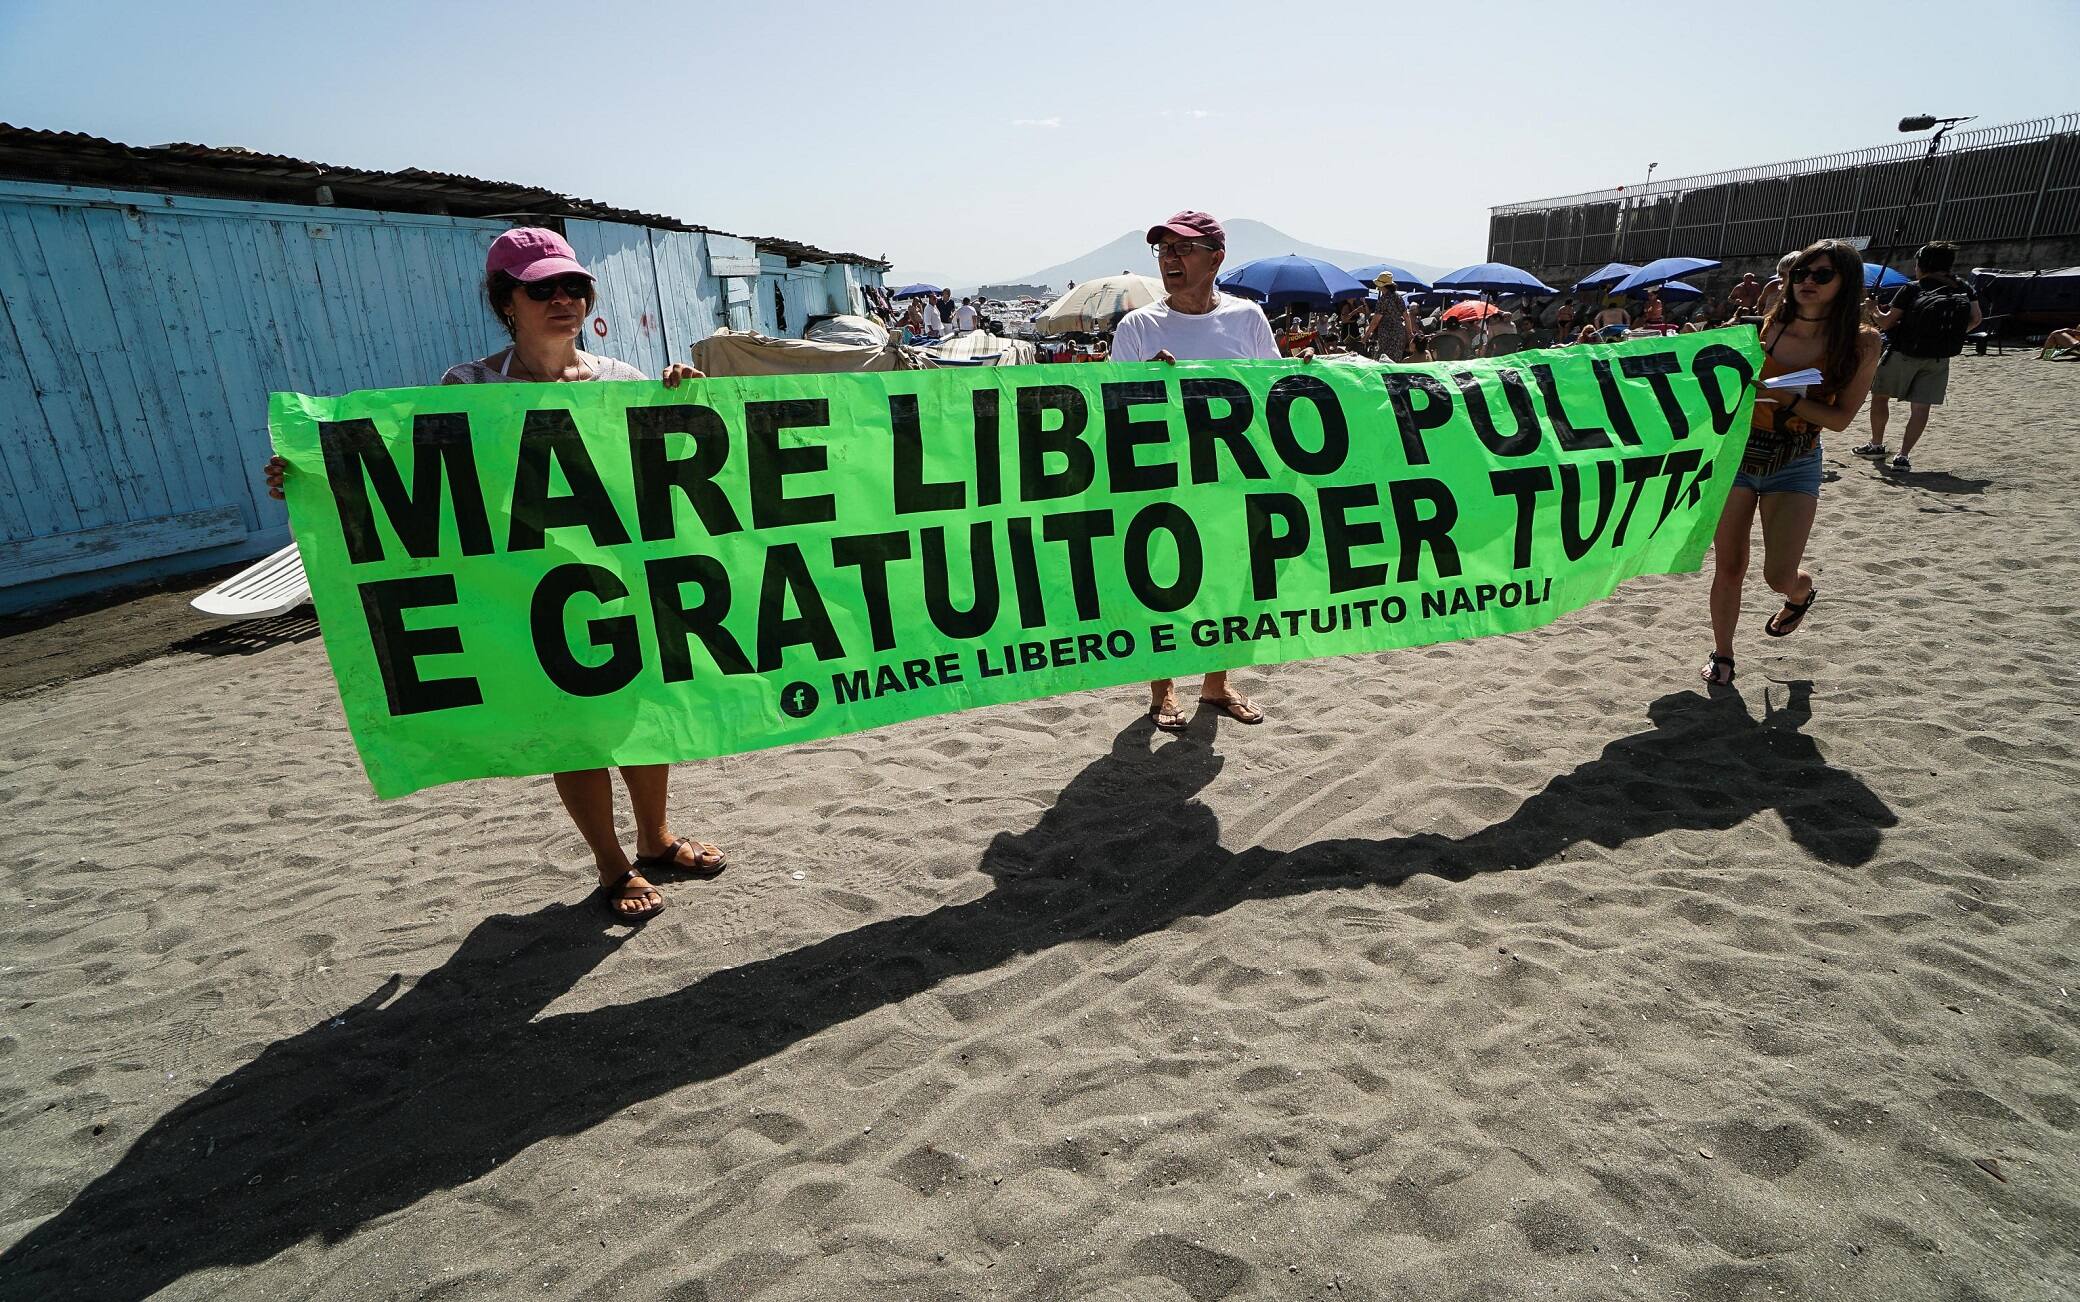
(1818, 275)
(576, 288)
(1177, 249)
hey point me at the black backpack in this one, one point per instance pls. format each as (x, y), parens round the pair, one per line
(1937, 321)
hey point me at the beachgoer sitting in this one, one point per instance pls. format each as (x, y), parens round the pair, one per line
(2061, 343)
(1745, 296)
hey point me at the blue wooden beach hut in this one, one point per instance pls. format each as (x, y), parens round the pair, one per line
(151, 299)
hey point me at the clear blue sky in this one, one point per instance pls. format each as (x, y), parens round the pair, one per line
(967, 141)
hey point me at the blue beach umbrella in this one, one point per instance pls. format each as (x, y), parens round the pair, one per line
(1660, 270)
(1494, 278)
(1877, 277)
(1610, 273)
(917, 291)
(1403, 280)
(1673, 291)
(1291, 279)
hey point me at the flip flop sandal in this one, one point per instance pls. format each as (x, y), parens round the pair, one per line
(611, 896)
(1712, 672)
(1786, 621)
(1241, 709)
(1170, 719)
(709, 860)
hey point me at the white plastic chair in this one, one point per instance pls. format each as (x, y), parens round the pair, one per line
(271, 587)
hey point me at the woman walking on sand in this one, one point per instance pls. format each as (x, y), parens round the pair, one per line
(541, 295)
(1817, 322)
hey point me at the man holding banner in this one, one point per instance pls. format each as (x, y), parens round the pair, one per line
(1194, 322)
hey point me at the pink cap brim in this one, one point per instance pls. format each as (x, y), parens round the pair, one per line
(543, 268)
(1185, 232)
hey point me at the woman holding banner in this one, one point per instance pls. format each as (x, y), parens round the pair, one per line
(542, 295)
(1817, 323)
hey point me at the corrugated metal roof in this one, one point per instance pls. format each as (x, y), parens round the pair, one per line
(73, 157)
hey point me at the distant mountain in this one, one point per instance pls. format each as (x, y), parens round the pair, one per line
(1247, 241)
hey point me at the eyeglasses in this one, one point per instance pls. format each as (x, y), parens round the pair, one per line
(575, 288)
(1178, 248)
(1818, 275)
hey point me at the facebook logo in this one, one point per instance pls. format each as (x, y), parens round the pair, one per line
(798, 700)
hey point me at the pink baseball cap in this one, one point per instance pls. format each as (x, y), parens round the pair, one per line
(529, 253)
(1192, 226)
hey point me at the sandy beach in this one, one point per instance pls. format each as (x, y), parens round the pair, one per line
(1516, 968)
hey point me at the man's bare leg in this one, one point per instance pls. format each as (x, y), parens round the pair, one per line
(1876, 447)
(1917, 421)
(1215, 691)
(1162, 705)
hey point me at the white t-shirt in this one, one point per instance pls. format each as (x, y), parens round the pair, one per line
(964, 318)
(1234, 330)
(933, 323)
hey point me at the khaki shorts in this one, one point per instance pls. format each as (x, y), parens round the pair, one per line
(1912, 379)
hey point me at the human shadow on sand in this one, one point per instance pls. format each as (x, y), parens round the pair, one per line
(1935, 481)
(412, 1091)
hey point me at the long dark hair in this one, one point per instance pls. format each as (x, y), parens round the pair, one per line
(1844, 327)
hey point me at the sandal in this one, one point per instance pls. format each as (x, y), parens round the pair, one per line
(1239, 708)
(708, 860)
(1167, 717)
(1786, 621)
(1869, 450)
(611, 897)
(1718, 670)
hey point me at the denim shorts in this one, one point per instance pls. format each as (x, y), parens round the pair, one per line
(1801, 476)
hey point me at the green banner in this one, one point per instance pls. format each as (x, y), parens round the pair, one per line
(527, 578)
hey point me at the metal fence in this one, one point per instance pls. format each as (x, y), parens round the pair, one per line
(2019, 181)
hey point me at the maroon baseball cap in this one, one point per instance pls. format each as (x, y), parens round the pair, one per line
(1192, 226)
(529, 253)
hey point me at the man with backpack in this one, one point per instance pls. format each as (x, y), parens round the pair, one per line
(1925, 326)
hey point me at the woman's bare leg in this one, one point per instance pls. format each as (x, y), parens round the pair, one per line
(588, 797)
(648, 789)
(1787, 522)
(1730, 566)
